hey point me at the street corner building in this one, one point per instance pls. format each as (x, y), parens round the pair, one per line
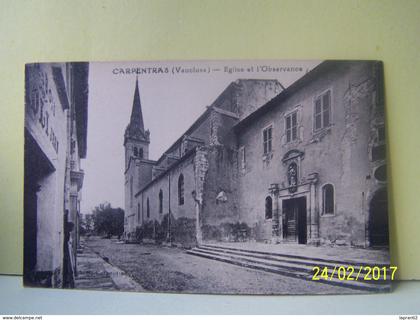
(56, 101)
(303, 165)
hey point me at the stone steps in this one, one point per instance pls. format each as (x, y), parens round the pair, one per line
(291, 265)
(318, 260)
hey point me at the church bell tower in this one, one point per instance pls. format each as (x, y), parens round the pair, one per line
(136, 139)
(136, 145)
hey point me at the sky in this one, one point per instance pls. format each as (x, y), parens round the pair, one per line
(171, 98)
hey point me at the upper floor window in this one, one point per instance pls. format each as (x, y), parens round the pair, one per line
(322, 112)
(291, 127)
(242, 157)
(73, 146)
(328, 199)
(267, 139)
(268, 208)
(160, 201)
(138, 212)
(181, 189)
(136, 153)
(147, 208)
(141, 153)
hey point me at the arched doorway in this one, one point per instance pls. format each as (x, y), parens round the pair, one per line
(378, 219)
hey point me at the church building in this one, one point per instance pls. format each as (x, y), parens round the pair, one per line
(303, 164)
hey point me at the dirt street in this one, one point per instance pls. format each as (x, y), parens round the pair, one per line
(159, 268)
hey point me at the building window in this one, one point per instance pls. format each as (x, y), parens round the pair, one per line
(379, 152)
(268, 208)
(380, 173)
(267, 139)
(147, 209)
(141, 153)
(242, 157)
(136, 153)
(291, 127)
(138, 212)
(161, 201)
(381, 134)
(184, 147)
(131, 192)
(322, 114)
(181, 190)
(328, 199)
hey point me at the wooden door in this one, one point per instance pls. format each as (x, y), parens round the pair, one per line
(295, 220)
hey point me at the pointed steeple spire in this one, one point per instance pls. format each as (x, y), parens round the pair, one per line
(136, 114)
(135, 128)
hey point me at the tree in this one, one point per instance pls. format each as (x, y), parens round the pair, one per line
(86, 224)
(108, 221)
(89, 223)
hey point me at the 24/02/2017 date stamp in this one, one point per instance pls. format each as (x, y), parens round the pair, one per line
(352, 273)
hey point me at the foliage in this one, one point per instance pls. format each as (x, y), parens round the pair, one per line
(182, 230)
(146, 231)
(108, 221)
(211, 232)
(235, 232)
(86, 224)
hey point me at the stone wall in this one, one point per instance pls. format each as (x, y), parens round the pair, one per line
(338, 154)
(173, 213)
(219, 213)
(46, 127)
(244, 96)
(254, 94)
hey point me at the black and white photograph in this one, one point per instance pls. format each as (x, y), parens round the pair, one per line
(256, 177)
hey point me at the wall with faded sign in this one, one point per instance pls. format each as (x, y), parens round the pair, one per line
(46, 127)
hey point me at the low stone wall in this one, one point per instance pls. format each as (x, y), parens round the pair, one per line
(179, 231)
(231, 232)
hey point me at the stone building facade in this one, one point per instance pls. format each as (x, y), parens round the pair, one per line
(305, 164)
(55, 141)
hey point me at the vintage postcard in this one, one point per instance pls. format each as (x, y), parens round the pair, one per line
(216, 177)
